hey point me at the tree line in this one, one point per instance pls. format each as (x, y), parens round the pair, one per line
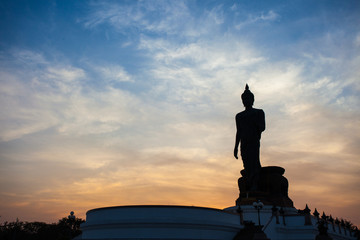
(65, 229)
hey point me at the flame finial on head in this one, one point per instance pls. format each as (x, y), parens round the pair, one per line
(247, 92)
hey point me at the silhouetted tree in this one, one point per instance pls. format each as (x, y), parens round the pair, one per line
(65, 229)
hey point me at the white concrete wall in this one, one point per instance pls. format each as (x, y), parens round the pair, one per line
(183, 222)
(160, 222)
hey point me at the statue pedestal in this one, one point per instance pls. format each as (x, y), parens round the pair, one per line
(272, 188)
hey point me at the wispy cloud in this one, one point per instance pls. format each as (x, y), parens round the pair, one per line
(114, 73)
(154, 16)
(172, 18)
(258, 18)
(58, 96)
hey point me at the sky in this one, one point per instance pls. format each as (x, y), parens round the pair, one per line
(109, 103)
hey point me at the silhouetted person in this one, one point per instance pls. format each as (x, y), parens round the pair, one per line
(250, 123)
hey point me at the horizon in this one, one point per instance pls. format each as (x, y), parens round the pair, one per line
(133, 103)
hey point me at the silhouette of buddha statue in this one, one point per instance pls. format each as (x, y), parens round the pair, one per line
(250, 123)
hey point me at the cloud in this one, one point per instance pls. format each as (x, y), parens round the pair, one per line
(259, 18)
(154, 16)
(216, 15)
(58, 96)
(67, 74)
(187, 73)
(174, 19)
(114, 73)
(29, 57)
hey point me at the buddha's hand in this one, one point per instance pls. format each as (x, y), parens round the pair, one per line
(236, 153)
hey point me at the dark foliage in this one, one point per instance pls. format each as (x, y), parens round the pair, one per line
(65, 229)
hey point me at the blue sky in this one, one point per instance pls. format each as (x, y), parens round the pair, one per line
(133, 102)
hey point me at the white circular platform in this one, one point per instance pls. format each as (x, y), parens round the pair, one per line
(159, 222)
